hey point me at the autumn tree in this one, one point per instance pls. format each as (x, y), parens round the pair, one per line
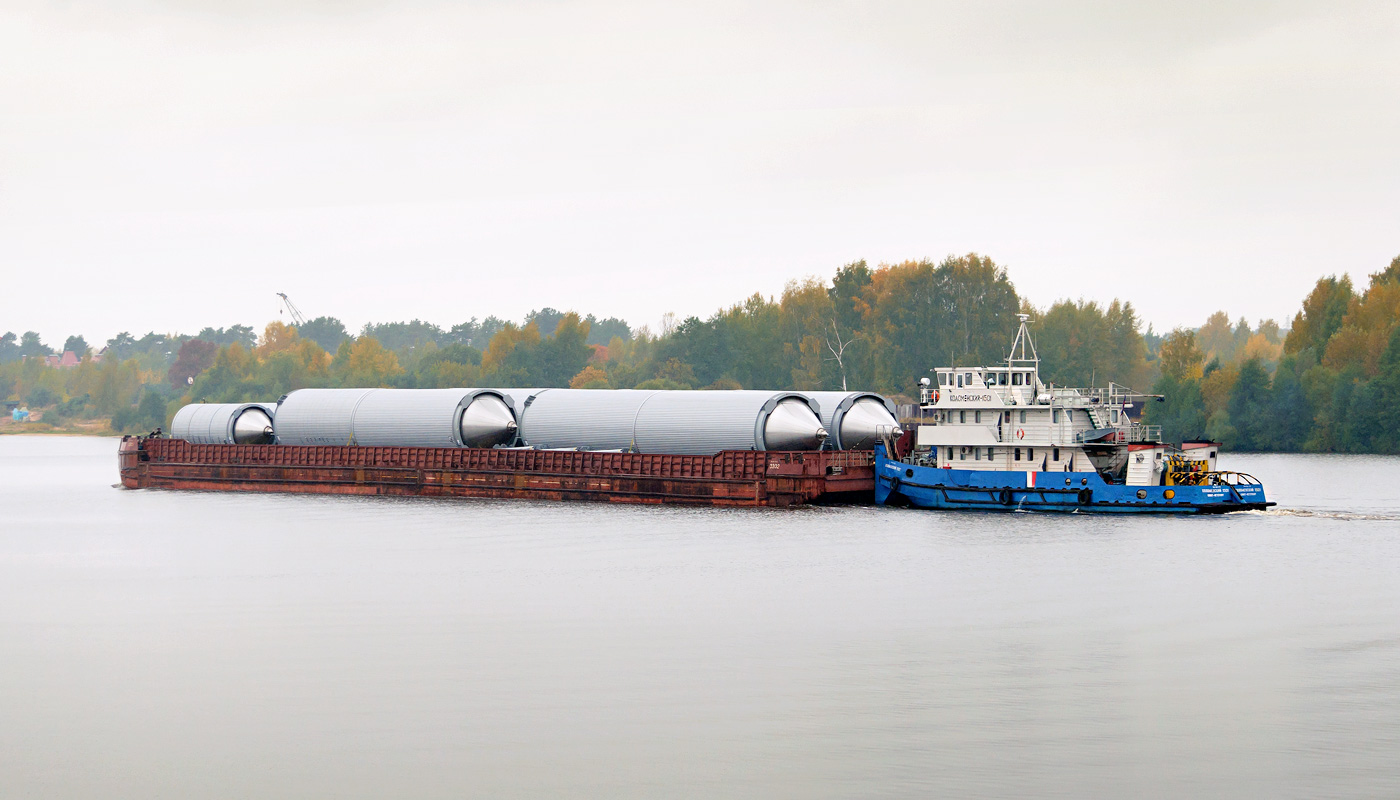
(364, 362)
(194, 357)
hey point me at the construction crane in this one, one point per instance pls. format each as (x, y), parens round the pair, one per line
(297, 318)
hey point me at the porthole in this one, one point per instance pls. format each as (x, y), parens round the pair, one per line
(908, 473)
(1169, 494)
(1083, 481)
(1142, 494)
(1068, 481)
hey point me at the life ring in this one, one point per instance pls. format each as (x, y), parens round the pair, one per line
(935, 395)
(1020, 433)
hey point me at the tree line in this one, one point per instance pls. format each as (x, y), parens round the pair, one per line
(1328, 383)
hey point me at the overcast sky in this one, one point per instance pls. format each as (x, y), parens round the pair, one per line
(168, 165)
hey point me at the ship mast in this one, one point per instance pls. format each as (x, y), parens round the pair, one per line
(1023, 350)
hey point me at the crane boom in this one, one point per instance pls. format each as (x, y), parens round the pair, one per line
(292, 310)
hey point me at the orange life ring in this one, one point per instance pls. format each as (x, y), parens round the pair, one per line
(1020, 433)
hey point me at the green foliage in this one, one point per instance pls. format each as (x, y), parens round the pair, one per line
(660, 383)
(9, 347)
(41, 396)
(1321, 315)
(76, 345)
(546, 319)
(30, 346)
(453, 365)
(1250, 406)
(1385, 388)
(602, 331)
(328, 332)
(473, 333)
(241, 335)
(157, 351)
(404, 337)
(1181, 411)
(143, 417)
(1083, 344)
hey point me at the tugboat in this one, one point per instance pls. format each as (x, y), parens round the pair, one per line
(998, 439)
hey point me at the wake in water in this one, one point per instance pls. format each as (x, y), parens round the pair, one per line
(1321, 513)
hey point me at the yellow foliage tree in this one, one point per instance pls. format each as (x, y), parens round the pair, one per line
(1366, 328)
(590, 377)
(1180, 357)
(365, 363)
(808, 373)
(276, 338)
(504, 343)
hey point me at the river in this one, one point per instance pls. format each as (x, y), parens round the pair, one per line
(160, 644)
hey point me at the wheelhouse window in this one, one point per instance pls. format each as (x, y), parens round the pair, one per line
(942, 379)
(1055, 416)
(1018, 454)
(1016, 379)
(1023, 418)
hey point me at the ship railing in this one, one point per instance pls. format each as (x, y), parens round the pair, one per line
(1145, 433)
(1130, 434)
(1235, 478)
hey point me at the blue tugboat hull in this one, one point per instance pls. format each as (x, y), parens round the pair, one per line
(1086, 492)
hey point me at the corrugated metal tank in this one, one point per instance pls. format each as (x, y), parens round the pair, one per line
(854, 419)
(224, 423)
(705, 422)
(590, 419)
(395, 417)
(318, 416)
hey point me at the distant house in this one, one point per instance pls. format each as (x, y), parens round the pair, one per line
(66, 361)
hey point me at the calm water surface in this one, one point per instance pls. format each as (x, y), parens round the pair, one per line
(172, 644)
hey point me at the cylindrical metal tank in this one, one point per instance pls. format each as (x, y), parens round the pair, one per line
(591, 419)
(855, 419)
(224, 423)
(704, 422)
(395, 417)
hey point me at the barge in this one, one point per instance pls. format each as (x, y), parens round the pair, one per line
(753, 478)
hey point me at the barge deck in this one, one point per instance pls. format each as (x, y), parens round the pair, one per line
(728, 478)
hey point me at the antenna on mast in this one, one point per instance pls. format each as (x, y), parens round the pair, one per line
(292, 310)
(1022, 345)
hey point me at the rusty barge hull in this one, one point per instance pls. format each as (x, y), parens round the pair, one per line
(729, 478)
